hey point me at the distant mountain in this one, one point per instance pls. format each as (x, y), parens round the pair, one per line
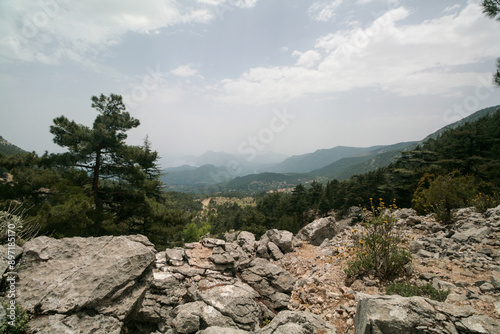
(267, 181)
(8, 148)
(364, 163)
(308, 162)
(469, 119)
(240, 164)
(207, 174)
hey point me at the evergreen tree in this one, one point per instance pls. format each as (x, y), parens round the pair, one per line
(118, 174)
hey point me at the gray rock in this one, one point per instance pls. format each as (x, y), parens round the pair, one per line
(290, 322)
(106, 275)
(495, 279)
(426, 254)
(236, 302)
(208, 315)
(415, 246)
(221, 330)
(442, 285)
(175, 256)
(246, 240)
(487, 287)
(319, 230)
(282, 239)
(396, 314)
(4, 257)
(274, 250)
(185, 322)
(270, 281)
(211, 242)
(75, 324)
(224, 258)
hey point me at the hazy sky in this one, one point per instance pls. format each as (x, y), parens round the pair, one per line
(289, 76)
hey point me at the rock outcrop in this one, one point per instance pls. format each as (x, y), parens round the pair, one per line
(395, 314)
(280, 284)
(84, 284)
(319, 230)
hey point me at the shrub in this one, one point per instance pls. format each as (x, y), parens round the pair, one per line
(381, 250)
(13, 220)
(483, 202)
(192, 232)
(409, 290)
(20, 322)
(443, 194)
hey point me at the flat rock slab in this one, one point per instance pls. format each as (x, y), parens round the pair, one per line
(104, 274)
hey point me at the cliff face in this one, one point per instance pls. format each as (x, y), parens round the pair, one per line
(291, 285)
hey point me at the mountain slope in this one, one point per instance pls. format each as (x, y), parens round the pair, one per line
(9, 148)
(347, 167)
(308, 162)
(469, 119)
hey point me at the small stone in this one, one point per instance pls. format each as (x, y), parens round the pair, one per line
(487, 287)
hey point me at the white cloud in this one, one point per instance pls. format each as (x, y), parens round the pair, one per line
(184, 71)
(323, 10)
(411, 59)
(308, 58)
(48, 31)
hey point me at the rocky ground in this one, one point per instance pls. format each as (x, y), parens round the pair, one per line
(279, 284)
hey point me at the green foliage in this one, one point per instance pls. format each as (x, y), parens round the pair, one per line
(483, 202)
(20, 322)
(492, 9)
(409, 290)
(193, 232)
(444, 193)
(13, 220)
(381, 249)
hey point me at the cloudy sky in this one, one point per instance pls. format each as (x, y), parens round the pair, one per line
(289, 76)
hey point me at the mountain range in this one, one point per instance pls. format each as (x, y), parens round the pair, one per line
(233, 173)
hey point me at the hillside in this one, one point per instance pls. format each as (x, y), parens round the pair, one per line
(267, 181)
(9, 149)
(308, 162)
(347, 167)
(471, 118)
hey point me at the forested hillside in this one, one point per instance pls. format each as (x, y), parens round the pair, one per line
(108, 187)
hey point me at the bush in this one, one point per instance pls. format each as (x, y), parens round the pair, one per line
(483, 202)
(410, 290)
(381, 249)
(20, 322)
(13, 220)
(193, 232)
(443, 194)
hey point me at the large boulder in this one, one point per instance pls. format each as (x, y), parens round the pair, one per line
(236, 301)
(319, 230)
(60, 278)
(289, 322)
(271, 281)
(396, 314)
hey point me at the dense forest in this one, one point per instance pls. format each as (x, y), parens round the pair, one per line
(101, 185)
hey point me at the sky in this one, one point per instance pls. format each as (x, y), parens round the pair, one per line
(246, 76)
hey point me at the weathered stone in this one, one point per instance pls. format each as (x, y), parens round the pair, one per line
(208, 315)
(185, 322)
(16, 251)
(442, 285)
(495, 279)
(487, 287)
(290, 322)
(236, 302)
(76, 323)
(246, 240)
(274, 250)
(221, 330)
(319, 230)
(224, 258)
(396, 314)
(282, 239)
(415, 246)
(211, 242)
(105, 274)
(175, 256)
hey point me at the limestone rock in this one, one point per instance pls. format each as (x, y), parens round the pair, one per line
(319, 230)
(246, 240)
(396, 314)
(289, 322)
(84, 285)
(236, 302)
(175, 256)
